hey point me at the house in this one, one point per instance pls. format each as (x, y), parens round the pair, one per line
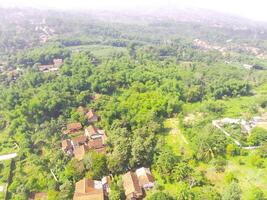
(133, 190)
(80, 151)
(97, 145)
(58, 62)
(46, 68)
(106, 180)
(91, 116)
(66, 146)
(87, 189)
(82, 110)
(135, 182)
(39, 196)
(93, 133)
(145, 178)
(79, 140)
(73, 128)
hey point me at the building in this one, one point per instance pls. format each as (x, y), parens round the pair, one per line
(58, 62)
(145, 178)
(66, 146)
(80, 151)
(79, 140)
(47, 68)
(131, 186)
(93, 133)
(97, 145)
(106, 180)
(136, 183)
(91, 116)
(39, 196)
(82, 110)
(73, 128)
(87, 189)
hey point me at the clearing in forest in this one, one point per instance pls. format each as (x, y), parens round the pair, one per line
(175, 139)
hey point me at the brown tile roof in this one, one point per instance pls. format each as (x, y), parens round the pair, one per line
(66, 145)
(80, 151)
(74, 127)
(97, 143)
(86, 189)
(82, 110)
(91, 115)
(39, 196)
(131, 186)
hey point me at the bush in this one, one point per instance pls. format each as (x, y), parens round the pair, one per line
(159, 195)
(219, 164)
(256, 194)
(257, 136)
(232, 192)
(230, 177)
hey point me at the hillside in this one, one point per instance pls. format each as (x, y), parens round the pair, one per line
(92, 95)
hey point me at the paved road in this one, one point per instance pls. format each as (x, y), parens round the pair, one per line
(8, 156)
(215, 123)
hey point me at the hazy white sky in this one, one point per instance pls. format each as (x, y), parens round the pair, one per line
(254, 9)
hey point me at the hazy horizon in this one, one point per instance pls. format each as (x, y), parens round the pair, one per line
(254, 10)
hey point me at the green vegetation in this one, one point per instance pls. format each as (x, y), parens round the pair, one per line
(158, 96)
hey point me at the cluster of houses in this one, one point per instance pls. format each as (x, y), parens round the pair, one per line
(135, 185)
(82, 140)
(57, 63)
(79, 141)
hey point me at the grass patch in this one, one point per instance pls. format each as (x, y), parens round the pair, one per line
(175, 139)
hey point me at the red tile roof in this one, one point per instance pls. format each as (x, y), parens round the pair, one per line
(74, 127)
(87, 189)
(131, 186)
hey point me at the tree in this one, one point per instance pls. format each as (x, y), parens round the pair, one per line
(116, 189)
(257, 136)
(181, 172)
(205, 193)
(165, 162)
(159, 195)
(96, 165)
(209, 144)
(232, 192)
(256, 194)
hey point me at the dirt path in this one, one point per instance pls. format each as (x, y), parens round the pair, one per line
(175, 138)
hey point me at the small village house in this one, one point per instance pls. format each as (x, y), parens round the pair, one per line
(66, 146)
(91, 116)
(58, 62)
(87, 189)
(145, 178)
(131, 186)
(106, 181)
(93, 133)
(80, 151)
(97, 145)
(73, 128)
(79, 140)
(39, 196)
(136, 183)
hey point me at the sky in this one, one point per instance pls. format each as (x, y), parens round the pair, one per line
(252, 9)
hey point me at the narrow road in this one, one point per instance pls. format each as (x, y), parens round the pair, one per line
(8, 156)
